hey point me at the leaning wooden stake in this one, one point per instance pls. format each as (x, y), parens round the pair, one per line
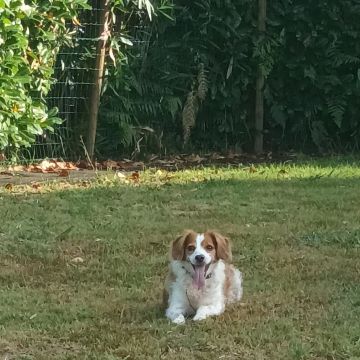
(98, 77)
(260, 81)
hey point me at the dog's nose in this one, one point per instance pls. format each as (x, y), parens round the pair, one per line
(199, 258)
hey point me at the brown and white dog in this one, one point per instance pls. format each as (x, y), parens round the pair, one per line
(201, 280)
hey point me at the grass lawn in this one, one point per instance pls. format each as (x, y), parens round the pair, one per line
(296, 236)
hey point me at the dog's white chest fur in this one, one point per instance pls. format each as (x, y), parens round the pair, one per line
(210, 292)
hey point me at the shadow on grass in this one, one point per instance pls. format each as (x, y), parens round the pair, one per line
(319, 211)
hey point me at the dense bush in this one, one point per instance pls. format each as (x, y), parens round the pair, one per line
(189, 77)
(183, 51)
(313, 90)
(195, 75)
(31, 33)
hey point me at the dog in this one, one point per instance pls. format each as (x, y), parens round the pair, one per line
(201, 279)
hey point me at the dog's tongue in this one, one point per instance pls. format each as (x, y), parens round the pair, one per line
(199, 276)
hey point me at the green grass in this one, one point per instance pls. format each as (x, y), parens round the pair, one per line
(296, 236)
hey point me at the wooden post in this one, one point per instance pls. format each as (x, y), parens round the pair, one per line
(98, 77)
(260, 81)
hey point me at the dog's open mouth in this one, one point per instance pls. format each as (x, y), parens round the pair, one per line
(199, 275)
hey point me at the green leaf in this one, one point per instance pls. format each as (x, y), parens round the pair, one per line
(125, 41)
(230, 68)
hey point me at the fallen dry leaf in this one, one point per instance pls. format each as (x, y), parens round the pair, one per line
(64, 173)
(71, 166)
(216, 156)
(50, 170)
(34, 169)
(35, 185)
(50, 166)
(47, 164)
(60, 165)
(135, 177)
(110, 165)
(6, 173)
(130, 165)
(66, 165)
(16, 168)
(195, 158)
(120, 175)
(84, 164)
(9, 187)
(139, 164)
(77, 260)
(232, 155)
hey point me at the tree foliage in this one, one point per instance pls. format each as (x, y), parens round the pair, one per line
(310, 56)
(313, 89)
(31, 32)
(182, 74)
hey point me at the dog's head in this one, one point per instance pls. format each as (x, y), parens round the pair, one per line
(201, 249)
(199, 252)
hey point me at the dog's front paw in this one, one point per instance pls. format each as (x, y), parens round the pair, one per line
(179, 320)
(200, 316)
(204, 312)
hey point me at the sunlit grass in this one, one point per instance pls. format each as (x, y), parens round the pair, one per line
(289, 171)
(259, 172)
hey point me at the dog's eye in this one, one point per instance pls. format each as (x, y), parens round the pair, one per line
(209, 247)
(191, 248)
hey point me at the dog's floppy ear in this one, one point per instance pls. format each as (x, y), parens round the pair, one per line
(177, 251)
(223, 247)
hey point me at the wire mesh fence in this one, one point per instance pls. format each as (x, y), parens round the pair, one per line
(74, 79)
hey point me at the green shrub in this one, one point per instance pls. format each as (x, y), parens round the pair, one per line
(31, 33)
